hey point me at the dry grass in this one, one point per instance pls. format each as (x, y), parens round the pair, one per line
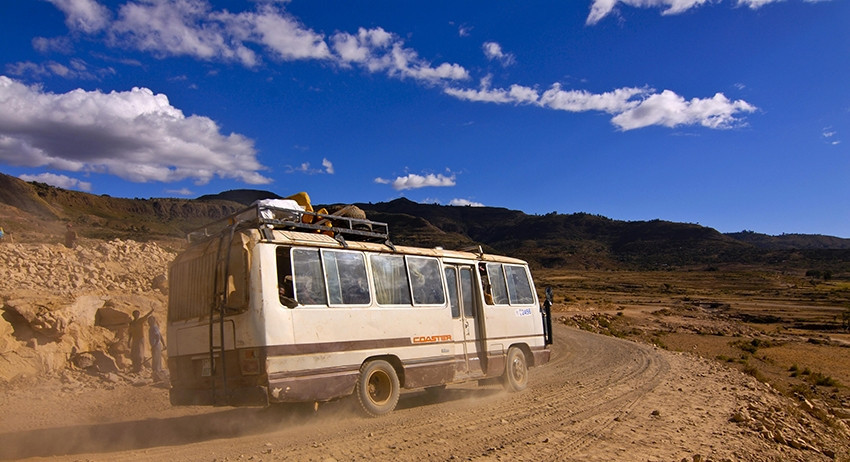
(780, 326)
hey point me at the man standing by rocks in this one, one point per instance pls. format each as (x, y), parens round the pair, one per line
(136, 339)
(70, 237)
(157, 345)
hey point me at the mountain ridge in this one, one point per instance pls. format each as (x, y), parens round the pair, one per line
(578, 240)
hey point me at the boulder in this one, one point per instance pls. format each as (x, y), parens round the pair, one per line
(111, 318)
(41, 315)
(8, 343)
(84, 309)
(95, 362)
(160, 283)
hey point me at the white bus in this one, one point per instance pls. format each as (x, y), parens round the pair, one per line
(281, 305)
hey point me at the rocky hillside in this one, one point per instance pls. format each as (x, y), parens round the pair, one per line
(36, 212)
(66, 307)
(791, 241)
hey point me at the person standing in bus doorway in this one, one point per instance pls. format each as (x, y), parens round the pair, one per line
(136, 339)
(70, 237)
(157, 345)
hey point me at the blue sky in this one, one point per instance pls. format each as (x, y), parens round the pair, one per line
(734, 114)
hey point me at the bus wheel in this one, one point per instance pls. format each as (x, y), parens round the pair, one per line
(516, 371)
(377, 388)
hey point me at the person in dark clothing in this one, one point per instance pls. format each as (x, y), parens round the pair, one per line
(70, 237)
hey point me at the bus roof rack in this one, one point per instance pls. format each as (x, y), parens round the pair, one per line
(265, 216)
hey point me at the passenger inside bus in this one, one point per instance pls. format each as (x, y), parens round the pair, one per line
(286, 290)
(309, 292)
(485, 281)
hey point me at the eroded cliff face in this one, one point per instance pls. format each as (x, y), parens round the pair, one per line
(69, 308)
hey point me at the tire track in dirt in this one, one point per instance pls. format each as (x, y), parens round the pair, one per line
(584, 391)
(571, 402)
(599, 399)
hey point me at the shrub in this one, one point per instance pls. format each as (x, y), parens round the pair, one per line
(822, 380)
(752, 346)
(753, 371)
(802, 390)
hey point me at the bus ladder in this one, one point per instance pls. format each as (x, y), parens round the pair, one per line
(218, 308)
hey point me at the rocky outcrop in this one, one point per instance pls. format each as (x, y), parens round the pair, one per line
(99, 267)
(69, 308)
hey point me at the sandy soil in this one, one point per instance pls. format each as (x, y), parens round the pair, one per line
(599, 399)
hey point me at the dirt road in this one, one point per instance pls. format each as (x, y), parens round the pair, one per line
(600, 398)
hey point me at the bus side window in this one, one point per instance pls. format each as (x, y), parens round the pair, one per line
(390, 277)
(346, 277)
(497, 283)
(426, 281)
(309, 280)
(451, 281)
(519, 289)
(286, 291)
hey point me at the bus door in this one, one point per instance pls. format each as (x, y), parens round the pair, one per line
(469, 349)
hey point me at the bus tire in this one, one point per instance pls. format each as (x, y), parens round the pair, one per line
(516, 371)
(377, 388)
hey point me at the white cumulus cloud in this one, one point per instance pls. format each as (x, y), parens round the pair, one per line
(599, 9)
(180, 192)
(136, 135)
(465, 203)
(194, 28)
(74, 70)
(327, 167)
(60, 181)
(183, 27)
(671, 110)
(377, 50)
(493, 51)
(414, 181)
(83, 15)
(631, 107)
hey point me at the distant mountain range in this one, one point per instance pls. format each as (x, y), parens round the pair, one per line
(579, 240)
